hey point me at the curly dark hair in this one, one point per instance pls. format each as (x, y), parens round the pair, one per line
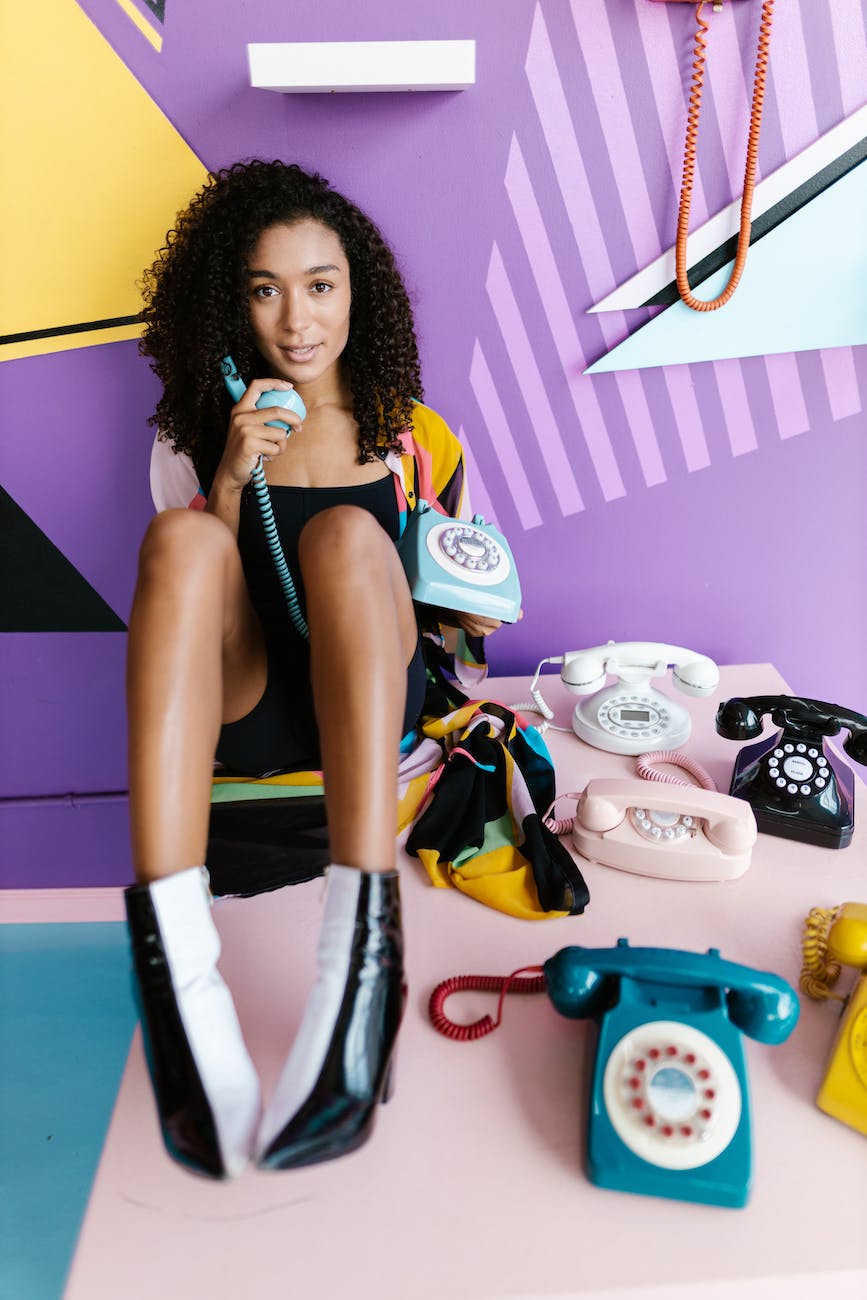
(195, 311)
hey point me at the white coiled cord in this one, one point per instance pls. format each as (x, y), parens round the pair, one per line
(536, 704)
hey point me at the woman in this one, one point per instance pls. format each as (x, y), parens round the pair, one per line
(272, 266)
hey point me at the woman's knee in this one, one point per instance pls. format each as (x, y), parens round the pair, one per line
(348, 535)
(177, 539)
(343, 546)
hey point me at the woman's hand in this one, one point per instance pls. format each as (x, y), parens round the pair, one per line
(472, 624)
(249, 435)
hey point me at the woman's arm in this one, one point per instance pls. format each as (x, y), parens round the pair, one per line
(224, 501)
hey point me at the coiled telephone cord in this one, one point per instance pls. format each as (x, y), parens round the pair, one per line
(818, 974)
(502, 984)
(272, 537)
(561, 825)
(536, 704)
(645, 767)
(690, 151)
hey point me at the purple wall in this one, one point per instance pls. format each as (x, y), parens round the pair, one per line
(714, 505)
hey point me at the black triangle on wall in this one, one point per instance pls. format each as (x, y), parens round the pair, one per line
(157, 8)
(40, 590)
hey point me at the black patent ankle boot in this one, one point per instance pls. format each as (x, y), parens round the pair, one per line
(339, 1067)
(206, 1086)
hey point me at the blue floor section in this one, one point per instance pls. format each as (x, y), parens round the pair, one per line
(66, 1021)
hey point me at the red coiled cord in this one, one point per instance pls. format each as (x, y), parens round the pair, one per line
(683, 285)
(484, 984)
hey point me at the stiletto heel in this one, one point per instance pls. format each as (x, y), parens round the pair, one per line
(206, 1086)
(341, 1062)
(388, 1081)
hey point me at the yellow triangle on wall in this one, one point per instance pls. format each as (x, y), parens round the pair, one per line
(93, 175)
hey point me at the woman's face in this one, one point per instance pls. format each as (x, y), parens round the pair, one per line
(299, 295)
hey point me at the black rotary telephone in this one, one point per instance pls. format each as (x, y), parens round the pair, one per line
(796, 785)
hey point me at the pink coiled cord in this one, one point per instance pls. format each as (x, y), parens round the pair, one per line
(645, 769)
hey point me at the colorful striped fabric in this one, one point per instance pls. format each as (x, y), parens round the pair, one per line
(474, 790)
(479, 827)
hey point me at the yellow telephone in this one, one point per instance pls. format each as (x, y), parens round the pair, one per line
(835, 937)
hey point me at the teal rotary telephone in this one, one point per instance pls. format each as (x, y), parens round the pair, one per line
(669, 1111)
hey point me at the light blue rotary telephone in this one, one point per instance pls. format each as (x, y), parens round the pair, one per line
(458, 565)
(669, 1111)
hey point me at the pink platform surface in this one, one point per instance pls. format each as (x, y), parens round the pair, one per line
(472, 1185)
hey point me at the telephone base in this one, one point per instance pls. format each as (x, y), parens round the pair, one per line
(694, 858)
(843, 1093)
(673, 1062)
(631, 719)
(798, 789)
(782, 826)
(461, 566)
(732, 1195)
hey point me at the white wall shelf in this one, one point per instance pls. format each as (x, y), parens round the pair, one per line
(320, 67)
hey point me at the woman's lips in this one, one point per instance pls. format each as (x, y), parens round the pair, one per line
(301, 354)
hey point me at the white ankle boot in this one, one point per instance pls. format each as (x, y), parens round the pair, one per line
(206, 1085)
(339, 1067)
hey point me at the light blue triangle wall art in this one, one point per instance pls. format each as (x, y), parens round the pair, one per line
(804, 287)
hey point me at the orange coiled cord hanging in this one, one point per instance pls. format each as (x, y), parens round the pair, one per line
(502, 984)
(683, 285)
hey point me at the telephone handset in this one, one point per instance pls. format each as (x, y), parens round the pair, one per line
(690, 150)
(676, 832)
(833, 938)
(797, 787)
(288, 399)
(669, 1111)
(631, 717)
(459, 565)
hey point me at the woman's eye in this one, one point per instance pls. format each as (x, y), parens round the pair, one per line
(321, 286)
(264, 291)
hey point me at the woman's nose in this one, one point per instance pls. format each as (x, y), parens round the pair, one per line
(296, 312)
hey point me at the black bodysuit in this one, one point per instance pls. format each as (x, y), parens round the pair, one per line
(280, 733)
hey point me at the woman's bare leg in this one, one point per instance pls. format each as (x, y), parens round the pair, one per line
(362, 636)
(196, 659)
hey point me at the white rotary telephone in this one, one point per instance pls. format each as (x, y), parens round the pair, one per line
(630, 716)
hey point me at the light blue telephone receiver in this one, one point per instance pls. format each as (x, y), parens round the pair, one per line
(288, 399)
